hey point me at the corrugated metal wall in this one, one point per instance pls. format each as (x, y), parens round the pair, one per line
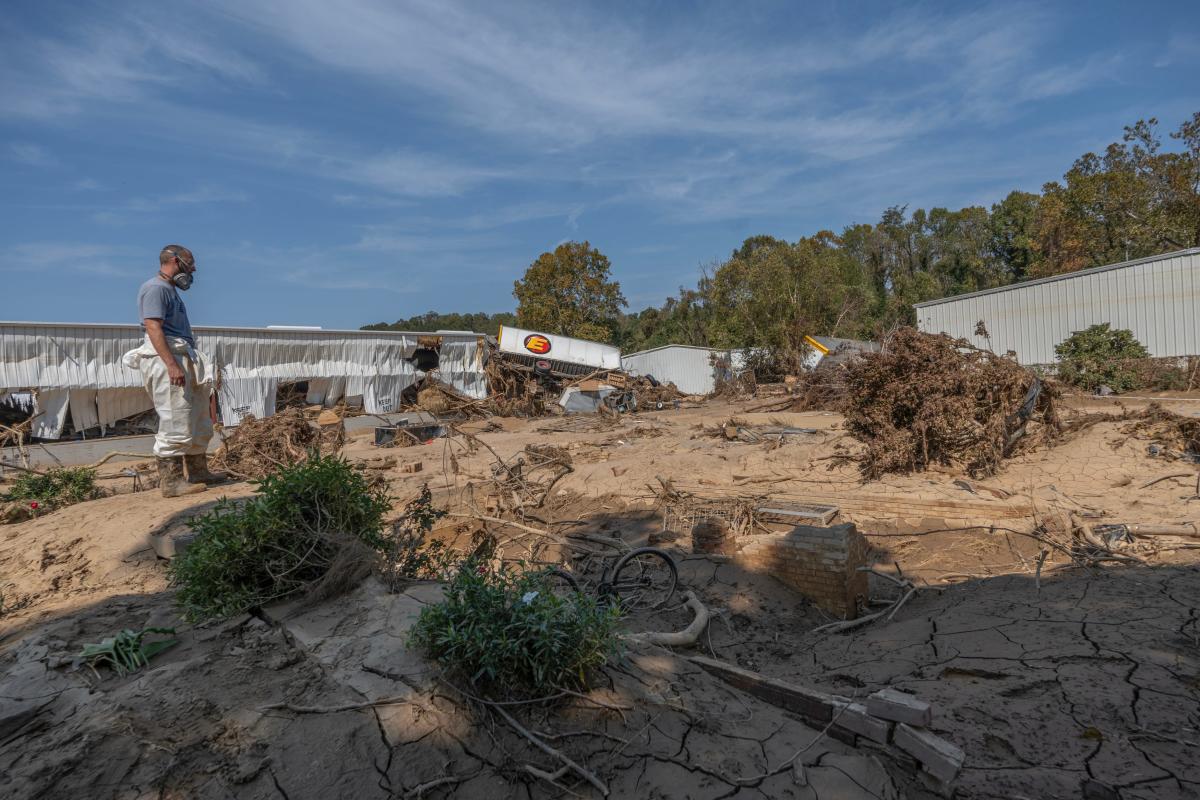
(369, 363)
(689, 368)
(1156, 298)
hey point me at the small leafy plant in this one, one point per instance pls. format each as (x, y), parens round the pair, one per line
(58, 487)
(1101, 356)
(127, 651)
(410, 555)
(508, 634)
(312, 526)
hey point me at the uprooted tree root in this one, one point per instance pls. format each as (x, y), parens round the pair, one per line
(258, 447)
(931, 399)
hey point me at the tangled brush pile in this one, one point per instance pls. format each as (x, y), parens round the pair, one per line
(258, 447)
(931, 399)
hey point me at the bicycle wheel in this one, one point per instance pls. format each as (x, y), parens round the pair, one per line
(562, 583)
(644, 578)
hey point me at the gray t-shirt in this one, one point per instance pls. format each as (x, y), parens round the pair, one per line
(158, 299)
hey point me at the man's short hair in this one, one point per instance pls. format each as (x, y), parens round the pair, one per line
(173, 250)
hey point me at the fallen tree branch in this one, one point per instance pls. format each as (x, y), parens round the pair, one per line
(1187, 531)
(298, 709)
(843, 625)
(548, 750)
(1165, 478)
(684, 638)
(446, 780)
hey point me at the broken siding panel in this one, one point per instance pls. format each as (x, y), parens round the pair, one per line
(689, 368)
(1156, 298)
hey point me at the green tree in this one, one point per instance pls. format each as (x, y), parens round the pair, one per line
(1135, 200)
(770, 294)
(569, 292)
(434, 321)
(1012, 226)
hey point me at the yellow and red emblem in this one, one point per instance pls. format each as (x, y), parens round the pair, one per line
(536, 343)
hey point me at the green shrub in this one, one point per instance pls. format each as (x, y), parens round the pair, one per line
(61, 486)
(312, 526)
(506, 634)
(1100, 356)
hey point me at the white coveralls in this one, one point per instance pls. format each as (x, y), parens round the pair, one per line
(184, 425)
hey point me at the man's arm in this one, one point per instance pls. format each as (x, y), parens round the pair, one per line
(158, 339)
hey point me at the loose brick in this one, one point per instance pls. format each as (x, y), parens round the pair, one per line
(854, 717)
(900, 707)
(940, 758)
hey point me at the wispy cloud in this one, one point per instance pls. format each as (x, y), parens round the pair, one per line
(119, 57)
(31, 154)
(48, 258)
(477, 64)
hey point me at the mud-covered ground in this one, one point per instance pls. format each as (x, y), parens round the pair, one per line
(1085, 686)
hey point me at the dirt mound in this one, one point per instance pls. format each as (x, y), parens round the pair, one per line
(259, 446)
(931, 399)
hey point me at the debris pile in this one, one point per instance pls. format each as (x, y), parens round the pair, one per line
(651, 395)
(260, 446)
(734, 387)
(682, 511)
(442, 400)
(512, 390)
(932, 399)
(1171, 436)
(820, 389)
(524, 483)
(774, 433)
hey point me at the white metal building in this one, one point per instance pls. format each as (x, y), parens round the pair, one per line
(78, 367)
(1154, 297)
(691, 369)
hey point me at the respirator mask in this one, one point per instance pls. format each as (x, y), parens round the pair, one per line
(182, 279)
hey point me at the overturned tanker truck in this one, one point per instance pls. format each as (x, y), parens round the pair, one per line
(582, 375)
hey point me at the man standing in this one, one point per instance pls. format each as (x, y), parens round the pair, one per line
(177, 376)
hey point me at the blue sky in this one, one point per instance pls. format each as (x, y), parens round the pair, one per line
(339, 163)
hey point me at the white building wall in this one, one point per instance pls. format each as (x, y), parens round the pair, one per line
(689, 368)
(1156, 298)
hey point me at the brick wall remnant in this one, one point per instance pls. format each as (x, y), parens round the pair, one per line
(820, 563)
(711, 535)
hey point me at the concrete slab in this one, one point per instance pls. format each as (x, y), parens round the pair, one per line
(361, 640)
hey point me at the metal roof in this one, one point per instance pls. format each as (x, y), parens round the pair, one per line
(1064, 276)
(687, 346)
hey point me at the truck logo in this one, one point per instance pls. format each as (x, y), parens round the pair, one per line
(536, 343)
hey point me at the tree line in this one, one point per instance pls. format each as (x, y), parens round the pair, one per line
(1135, 199)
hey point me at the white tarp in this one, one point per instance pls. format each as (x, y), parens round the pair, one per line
(243, 397)
(83, 409)
(576, 401)
(117, 404)
(382, 395)
(51, 407)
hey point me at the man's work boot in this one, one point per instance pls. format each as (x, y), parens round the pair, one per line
(197, 470)
(171, 481)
